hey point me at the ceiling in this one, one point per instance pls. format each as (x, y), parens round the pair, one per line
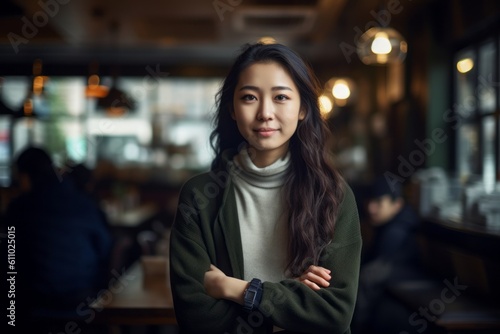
(183, 32)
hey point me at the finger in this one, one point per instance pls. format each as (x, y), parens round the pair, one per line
(313, 267)
(319, 281)
(311, 285)
(320, 271)
(316, 279)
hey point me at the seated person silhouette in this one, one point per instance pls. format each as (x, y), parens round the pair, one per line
(62, 242)
(390, 257)
(81, 176)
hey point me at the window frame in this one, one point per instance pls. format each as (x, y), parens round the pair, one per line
(474, 42)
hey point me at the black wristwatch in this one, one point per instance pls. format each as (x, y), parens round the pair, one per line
(252, 295)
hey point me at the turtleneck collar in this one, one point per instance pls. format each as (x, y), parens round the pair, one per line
(271, 176)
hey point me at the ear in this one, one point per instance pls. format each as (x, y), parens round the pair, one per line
(302, 114)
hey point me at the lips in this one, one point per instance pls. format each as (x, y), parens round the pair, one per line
(266, 132)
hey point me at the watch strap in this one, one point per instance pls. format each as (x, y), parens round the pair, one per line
(252, 295)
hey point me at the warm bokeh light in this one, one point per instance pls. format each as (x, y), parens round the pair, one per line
(325, 104)
(94, 80)
(381, 44)
(38, 83)
(94, 89)
(267, 40)
(465, 65)
(341, 90)
(28, 107)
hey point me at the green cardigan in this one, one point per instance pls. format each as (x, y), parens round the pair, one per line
(206, 231)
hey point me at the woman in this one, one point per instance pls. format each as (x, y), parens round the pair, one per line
(269, 238)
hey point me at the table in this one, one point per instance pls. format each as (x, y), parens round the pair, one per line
(453, 311)
(126, 227)
(144, 300)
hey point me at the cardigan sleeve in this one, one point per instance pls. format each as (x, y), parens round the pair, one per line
(190, 258)
(292, 305)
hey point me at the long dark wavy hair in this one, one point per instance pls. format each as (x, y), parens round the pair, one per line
(313, 187)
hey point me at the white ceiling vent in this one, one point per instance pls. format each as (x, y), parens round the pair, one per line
(265, 20)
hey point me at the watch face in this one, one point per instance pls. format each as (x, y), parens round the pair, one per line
(250, 295)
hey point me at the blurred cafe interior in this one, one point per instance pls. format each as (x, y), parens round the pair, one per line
(121, 95)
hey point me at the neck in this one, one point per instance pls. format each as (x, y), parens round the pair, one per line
(264, 159)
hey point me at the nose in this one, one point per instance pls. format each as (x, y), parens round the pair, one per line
(266, 110)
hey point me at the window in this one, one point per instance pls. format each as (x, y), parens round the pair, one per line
(476, 101)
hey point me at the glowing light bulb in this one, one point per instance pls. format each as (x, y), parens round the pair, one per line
(465, 65)
(381, 44)
(341, 90)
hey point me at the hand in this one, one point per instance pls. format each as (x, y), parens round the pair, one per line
(315, 277)
(214, 282)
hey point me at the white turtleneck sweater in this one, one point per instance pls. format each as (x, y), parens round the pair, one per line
(260, 213)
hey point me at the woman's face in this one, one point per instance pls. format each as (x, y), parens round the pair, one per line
(267, 110)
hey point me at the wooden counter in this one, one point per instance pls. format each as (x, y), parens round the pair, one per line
(144, 300)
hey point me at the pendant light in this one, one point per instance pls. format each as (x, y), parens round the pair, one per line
(382, 45)
(340, 90)
(116, 102)
(94, 88)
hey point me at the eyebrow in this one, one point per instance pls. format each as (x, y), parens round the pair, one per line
(275, 88)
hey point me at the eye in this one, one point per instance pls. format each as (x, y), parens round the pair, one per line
(248, 97)
(281, 97)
